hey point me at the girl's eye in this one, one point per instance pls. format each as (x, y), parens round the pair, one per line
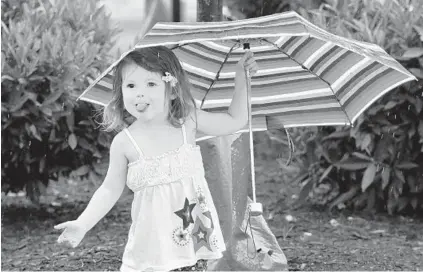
(151, 84)
(130, 85)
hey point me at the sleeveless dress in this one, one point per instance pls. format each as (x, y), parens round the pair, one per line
(174, 220)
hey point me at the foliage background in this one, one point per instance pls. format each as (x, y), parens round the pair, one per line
(378, 164)
(49, 54)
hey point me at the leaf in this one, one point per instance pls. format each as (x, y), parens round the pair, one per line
(72, 141)
(366, 142)
(326, 173)
(337, 135)
(413, 52)
(81, 171)
(52, 136)
(406, 165)
(101, 168)
(419, 30)
(352, 164)
(305, 190)
(344, 197)
(70, 120)
(299, 178)
(362, 156)
(385, 177)
(368, 177)
(390, 105)
(53, 97)
(400, 175)
(416, 72)
(35, 133)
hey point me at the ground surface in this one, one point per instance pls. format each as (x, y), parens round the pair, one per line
(360, 242)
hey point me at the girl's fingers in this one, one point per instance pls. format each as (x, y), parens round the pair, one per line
(61, 226)
(248, 55)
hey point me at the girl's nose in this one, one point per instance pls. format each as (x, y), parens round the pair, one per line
(140, 95)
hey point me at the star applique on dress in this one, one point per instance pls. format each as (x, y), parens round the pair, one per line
(185, 213)
(208, 215)
(201, 235)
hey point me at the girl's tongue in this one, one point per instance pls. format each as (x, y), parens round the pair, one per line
(141, 107)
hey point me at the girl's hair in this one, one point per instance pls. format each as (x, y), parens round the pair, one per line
(157, 59)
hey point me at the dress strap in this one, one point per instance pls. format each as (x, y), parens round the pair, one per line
(184, 133)
(133, 141)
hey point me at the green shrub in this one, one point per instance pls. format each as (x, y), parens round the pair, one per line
(379, 162)
(50, 50)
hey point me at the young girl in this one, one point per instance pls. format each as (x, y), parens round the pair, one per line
(174, 221)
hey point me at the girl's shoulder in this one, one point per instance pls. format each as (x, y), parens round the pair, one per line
(121, 141)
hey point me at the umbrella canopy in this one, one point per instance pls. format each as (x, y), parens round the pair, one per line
(307, 76)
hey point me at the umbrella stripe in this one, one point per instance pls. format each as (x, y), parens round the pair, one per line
(305, 100)
(257, 82)
(261, 76)
(98, 96)
(105, 84)
(303, 52)
(202, 54)
(230, 33)
(193, 51)
(307, 118)
(174, 30)
(378, 87)
(330, 114)
(327, 55)
(340, 67)
(319, 53)
(355, 80)
(351, 73)
(193, 70)
(263, 100)
(301, 43)
(362, 85)
(335, 63)
(295, 85)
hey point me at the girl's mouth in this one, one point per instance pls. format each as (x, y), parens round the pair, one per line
(141, 107)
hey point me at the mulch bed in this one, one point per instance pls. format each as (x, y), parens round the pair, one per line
(360, 241)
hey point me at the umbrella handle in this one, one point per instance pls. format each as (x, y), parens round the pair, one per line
(254, 208)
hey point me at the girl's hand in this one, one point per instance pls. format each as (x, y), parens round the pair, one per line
(247, 63)
(72, 234)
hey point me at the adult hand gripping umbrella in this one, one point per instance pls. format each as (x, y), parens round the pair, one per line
(306, 77)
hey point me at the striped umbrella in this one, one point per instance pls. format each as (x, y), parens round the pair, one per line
(307, 76)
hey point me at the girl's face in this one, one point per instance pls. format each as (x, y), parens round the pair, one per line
(144, 93)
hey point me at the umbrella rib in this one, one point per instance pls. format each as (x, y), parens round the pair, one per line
(311, 72)
(217, 74)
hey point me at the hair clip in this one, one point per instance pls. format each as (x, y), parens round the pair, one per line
(169, 78)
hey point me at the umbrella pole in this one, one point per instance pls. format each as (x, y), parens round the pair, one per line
(254, 207)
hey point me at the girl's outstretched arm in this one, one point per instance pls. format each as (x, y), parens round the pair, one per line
(217, 124)
(113, 185)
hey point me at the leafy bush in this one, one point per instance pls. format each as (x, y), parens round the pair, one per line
(50, 50)
(254, 8)
(379, 162)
